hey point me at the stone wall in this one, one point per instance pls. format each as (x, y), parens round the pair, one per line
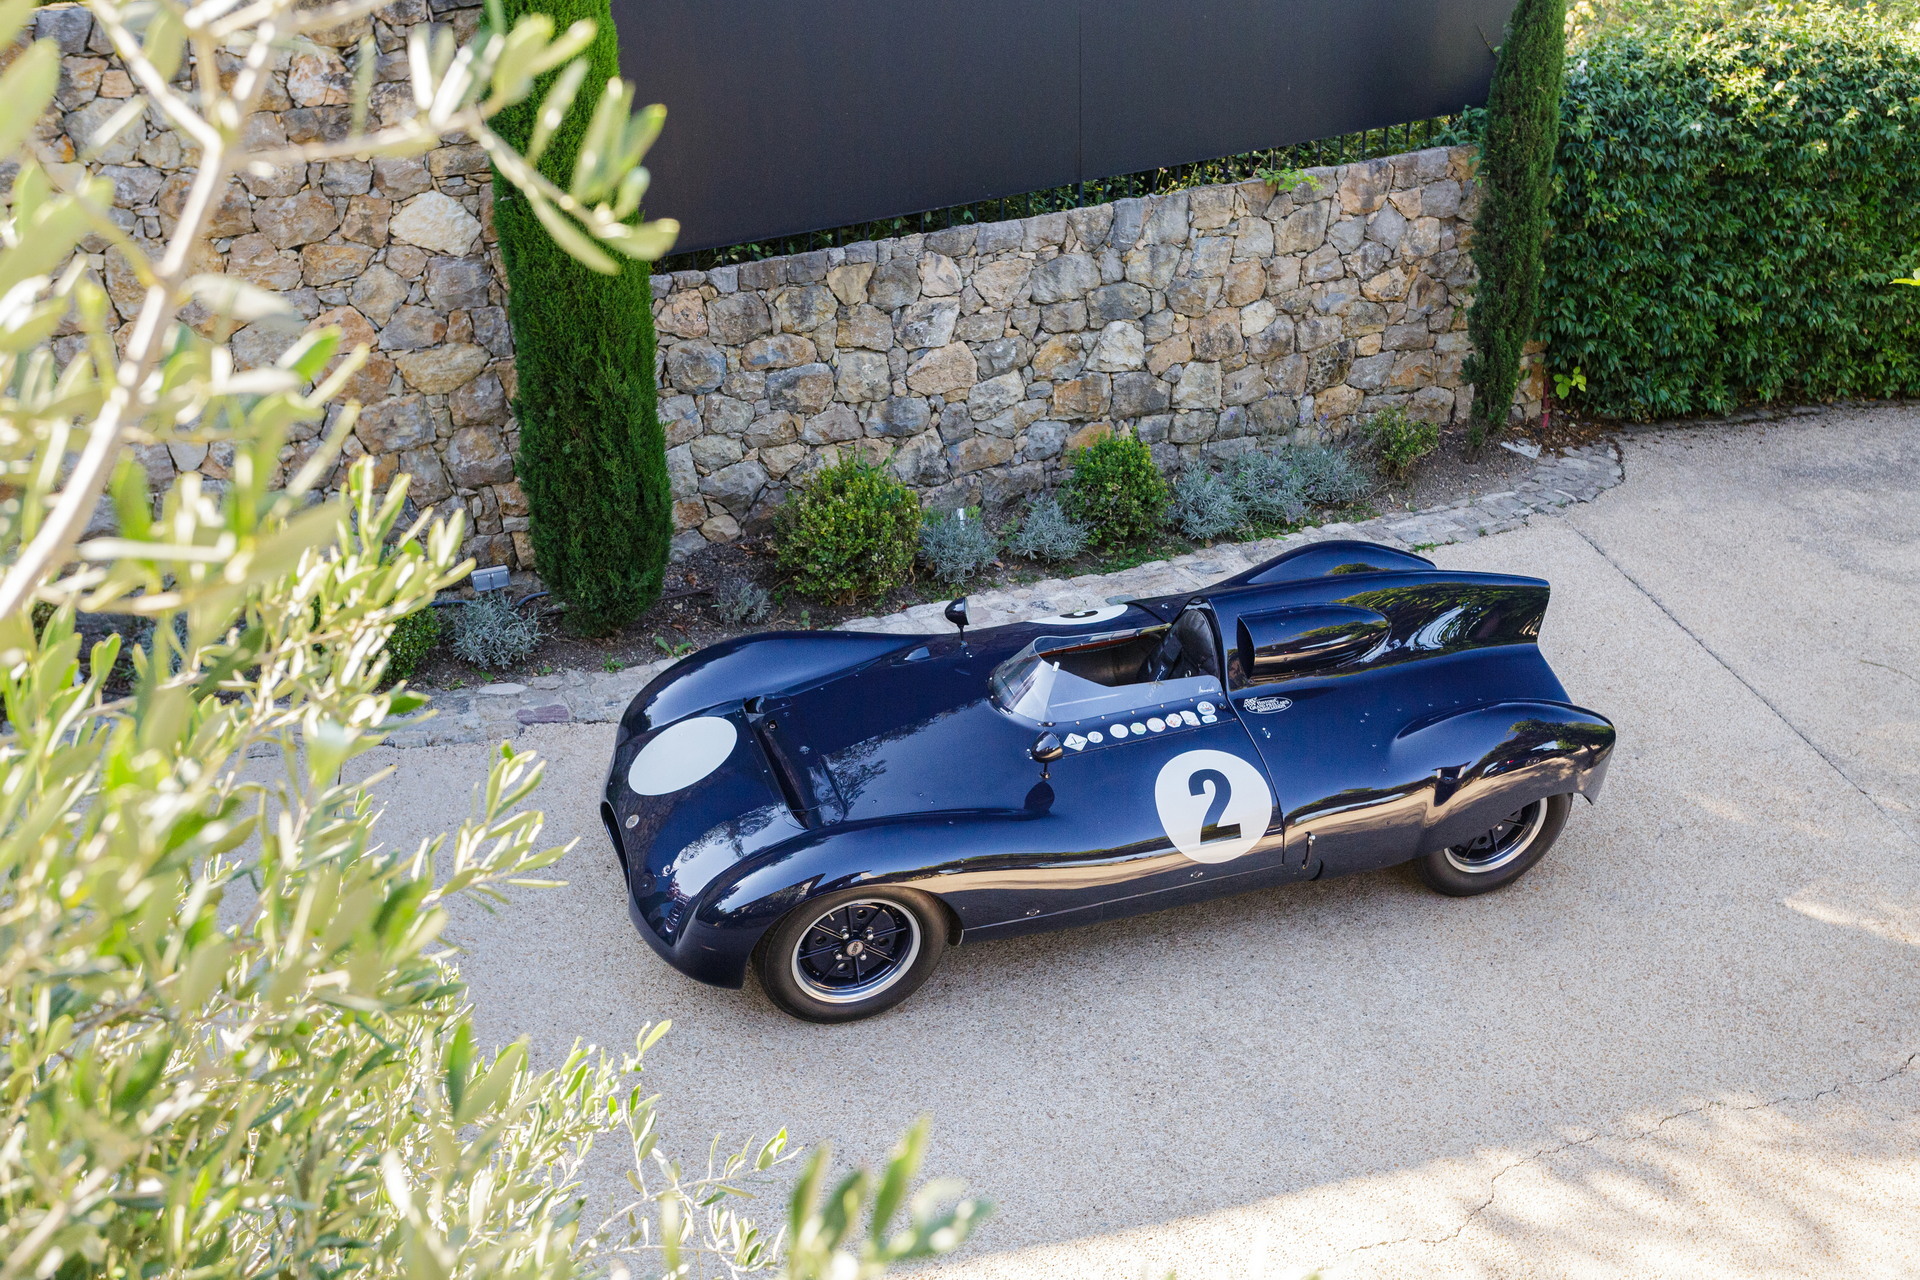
(399, 253)
(975, 359)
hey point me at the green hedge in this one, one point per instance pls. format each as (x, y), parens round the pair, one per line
(592, 458)
(1734, 197)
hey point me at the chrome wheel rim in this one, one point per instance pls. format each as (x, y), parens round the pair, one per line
(1509, 838)
(855, 951)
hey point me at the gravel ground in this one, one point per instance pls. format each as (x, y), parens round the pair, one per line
(1682, 1046)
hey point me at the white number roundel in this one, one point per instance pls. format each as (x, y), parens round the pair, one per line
(681, 755)
(1213, 805)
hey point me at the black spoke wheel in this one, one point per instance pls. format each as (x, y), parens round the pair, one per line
(1499, 855)
(849, 955)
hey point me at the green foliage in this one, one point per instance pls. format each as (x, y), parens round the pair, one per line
(414, 637)
(827, 1241)
(1400, 441)
(958, 546)
(1510, 231)
(1735, 197)
(849, 532)
(592, 457)
(1045, 532)
(1116, 491)
(236, 1045)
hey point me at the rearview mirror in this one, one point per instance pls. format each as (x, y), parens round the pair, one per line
(1288, 642)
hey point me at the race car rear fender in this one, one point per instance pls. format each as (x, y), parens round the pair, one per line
(1488, 761)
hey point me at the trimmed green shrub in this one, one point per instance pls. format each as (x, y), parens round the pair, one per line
(955, 547)
(1116, 491)
(1204, 506)
(1735, 197)
(850, 531)
(1046, 532)
(1510, 230)
(413, 638)
(592, 458)
(1400, 441)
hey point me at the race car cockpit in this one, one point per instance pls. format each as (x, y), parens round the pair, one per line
(1064, 679)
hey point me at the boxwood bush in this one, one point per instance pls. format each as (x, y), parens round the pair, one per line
(1735, 194)
(849, 532)
(1116, 491)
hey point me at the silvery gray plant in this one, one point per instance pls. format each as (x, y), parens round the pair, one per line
(1205, 506)
(1047, 533)
(490, 633)
(741, 602)
(957, 546)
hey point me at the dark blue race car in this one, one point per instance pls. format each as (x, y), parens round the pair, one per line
(835, 809)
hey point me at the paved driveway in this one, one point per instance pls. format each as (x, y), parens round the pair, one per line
(1680, 1046)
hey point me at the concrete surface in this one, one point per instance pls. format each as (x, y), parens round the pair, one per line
(1682, 1046)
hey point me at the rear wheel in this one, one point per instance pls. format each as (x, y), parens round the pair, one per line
(849, 955)
(1501, 854)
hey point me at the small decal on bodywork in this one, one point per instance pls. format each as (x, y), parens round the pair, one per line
(1082, 617)
(1267, 706)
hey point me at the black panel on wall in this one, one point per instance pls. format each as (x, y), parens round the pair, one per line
(784, 117)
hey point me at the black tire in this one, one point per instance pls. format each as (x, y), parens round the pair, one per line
(1499, 857)
(805, 966)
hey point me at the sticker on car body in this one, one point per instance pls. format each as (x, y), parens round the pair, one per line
(682, 754)
(1267, 706)
(1213, 805)
(1081, 617)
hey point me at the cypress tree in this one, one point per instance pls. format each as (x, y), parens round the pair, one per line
(1516, 182)
(592, 458)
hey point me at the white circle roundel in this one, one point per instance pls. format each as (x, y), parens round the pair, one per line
(681, 755)
(1213, 805)
(1082, 617)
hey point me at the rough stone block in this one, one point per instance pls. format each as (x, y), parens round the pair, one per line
(781, 351)
(927, 323)
(804, 390)
(436, 223)
(438, 370)
(943, 371)
(1065, 278)
(737, 318)
(863, 376)
(1083, 397)
(696, 367)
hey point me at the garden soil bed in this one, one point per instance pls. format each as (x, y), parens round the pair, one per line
(685, 619)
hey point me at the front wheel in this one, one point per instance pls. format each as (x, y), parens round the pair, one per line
(1501, 854)
(849, 955)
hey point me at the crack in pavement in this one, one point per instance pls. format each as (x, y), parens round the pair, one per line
(1546, 1153)
(1893, 818)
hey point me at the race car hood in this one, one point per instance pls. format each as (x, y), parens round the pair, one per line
(838, 727)
(757, 741)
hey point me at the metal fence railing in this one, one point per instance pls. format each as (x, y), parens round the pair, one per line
(1366, 145)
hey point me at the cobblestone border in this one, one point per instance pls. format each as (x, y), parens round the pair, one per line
(501, 710)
